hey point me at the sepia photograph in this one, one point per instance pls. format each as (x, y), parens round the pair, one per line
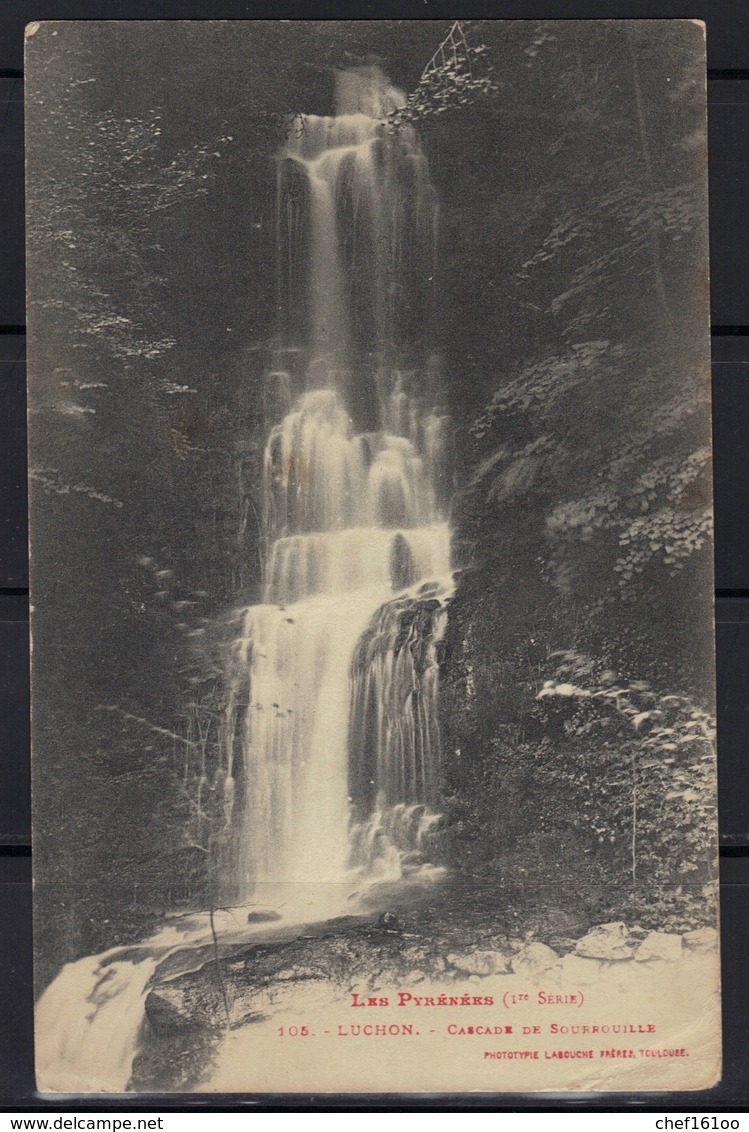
(371, 557)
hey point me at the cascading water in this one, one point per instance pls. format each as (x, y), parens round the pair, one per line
(86, 1040)
(331, 754)
(336, 743)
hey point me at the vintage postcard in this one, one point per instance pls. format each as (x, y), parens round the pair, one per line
(371, 557)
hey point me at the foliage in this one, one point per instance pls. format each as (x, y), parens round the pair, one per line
(649, 514)
(538, 386)
(605, 797)
(654, 792)
(459, 74)
(576, 691)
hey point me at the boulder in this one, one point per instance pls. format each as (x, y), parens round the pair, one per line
(659, 945)
(390, 922)
(267, 917)
(607, 941)
(533, 960)
(702, 939)
(413, 862)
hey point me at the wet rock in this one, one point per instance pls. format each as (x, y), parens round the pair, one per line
(607, 941)
(402, 568)
(480, 962)
(412, 862)
(185, 1002)
(659, 945)
(165, 1017)
(263, 917)
(428, 589)
(534, 959)
(580, 972)
(702, 939)
(340, 923)
(174, 1057)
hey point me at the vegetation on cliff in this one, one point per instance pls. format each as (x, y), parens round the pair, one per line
(577, 675)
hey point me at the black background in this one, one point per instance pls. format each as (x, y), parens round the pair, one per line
(728, 71)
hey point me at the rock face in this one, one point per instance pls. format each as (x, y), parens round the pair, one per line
(165, 1015)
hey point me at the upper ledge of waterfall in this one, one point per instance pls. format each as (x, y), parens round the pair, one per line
(367, 90)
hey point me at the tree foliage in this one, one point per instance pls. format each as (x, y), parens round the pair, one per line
(576, 687)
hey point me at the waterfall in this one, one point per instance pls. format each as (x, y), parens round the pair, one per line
(89, 1019)
(331, 742)
(332, 739)
(88, 1022)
